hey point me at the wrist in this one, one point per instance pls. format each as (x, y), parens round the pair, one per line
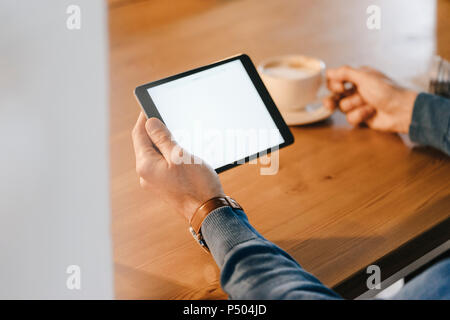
(209, 206)
(405, 106)
(192, 204)
(204, 210)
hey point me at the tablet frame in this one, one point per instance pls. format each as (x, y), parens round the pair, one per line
(149, 107)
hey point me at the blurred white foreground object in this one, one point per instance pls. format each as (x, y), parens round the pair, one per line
(54, 188)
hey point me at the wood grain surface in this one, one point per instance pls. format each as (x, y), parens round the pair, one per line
(343, 196)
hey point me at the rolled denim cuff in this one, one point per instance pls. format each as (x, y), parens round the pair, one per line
(430, 122)
(223, 229)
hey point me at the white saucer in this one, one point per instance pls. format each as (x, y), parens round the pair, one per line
(312, 113)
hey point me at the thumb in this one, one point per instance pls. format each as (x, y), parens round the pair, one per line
(161, 137)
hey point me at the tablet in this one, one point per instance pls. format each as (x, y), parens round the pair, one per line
(221, 112)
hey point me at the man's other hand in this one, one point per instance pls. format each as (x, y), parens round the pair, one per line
(170, 172)
(375, 100)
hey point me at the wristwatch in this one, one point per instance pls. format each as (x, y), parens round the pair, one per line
(202, 212)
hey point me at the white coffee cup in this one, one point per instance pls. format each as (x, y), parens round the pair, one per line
(293, 81)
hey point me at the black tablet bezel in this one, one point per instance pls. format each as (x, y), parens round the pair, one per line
(150, 109)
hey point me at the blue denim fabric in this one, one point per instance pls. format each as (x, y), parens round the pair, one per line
(254, 268)
(432, 284)
(430, 124)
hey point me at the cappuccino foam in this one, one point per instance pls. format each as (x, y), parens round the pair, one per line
(284, 71)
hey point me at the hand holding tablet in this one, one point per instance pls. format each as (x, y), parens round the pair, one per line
(221, 113)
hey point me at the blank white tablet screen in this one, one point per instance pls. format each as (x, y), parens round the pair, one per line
(217, 114)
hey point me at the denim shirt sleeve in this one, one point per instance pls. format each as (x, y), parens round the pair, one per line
(430, 122)
(253, 267)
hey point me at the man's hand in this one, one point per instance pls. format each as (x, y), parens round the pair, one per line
(376, 100)
(183, 186)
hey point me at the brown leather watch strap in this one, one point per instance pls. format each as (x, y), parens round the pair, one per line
(207, 207)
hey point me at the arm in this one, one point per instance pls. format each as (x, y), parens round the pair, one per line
(252, 267)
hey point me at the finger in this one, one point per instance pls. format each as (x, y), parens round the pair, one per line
(351, 102)
(344, 73)
(161, 137)
(329, 103)
(336, 86)
(360, 115)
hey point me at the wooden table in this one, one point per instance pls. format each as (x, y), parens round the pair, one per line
(344, 197)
